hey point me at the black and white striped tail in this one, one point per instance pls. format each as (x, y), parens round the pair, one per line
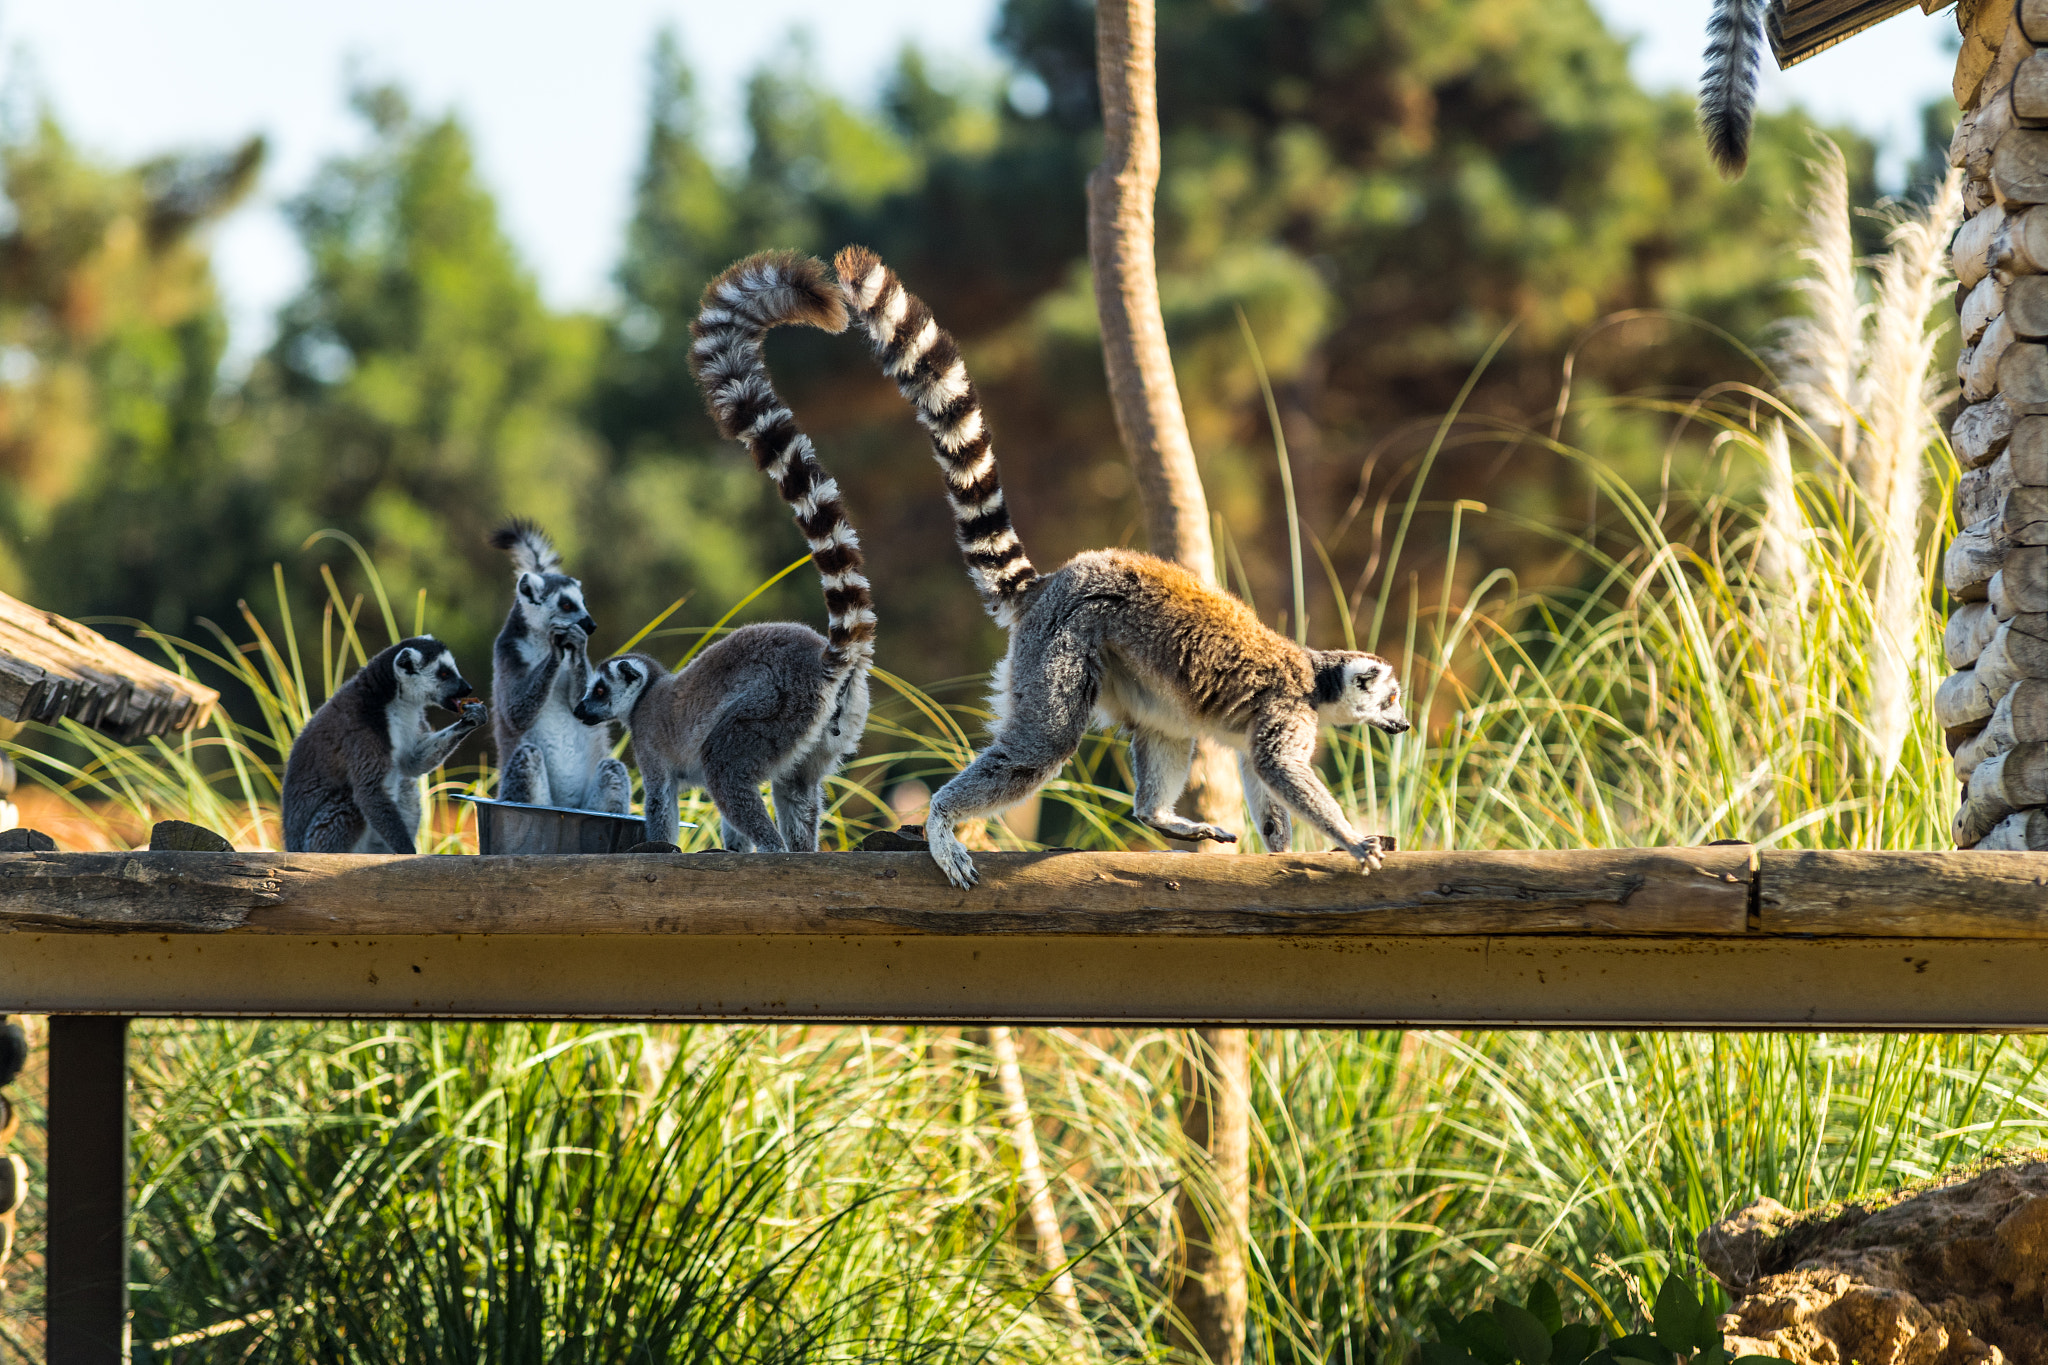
(924, 360)
(529, 546)
(1735, 41)
(775, 289)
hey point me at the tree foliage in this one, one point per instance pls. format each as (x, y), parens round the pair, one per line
(1381, 192)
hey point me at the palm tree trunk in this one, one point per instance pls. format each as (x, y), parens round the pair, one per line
(1211, 1296)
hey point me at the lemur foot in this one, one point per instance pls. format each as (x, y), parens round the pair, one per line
(951, 855)
(1368, 852)
(1173, 827)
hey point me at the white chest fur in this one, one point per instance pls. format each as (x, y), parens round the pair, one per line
(569, 749)
(404, 725)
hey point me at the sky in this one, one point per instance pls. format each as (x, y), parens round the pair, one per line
(556, 106)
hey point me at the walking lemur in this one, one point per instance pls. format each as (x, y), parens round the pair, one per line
(1115, 635)
(769, 703)
(540, 667)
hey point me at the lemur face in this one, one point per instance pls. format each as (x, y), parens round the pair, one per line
(554, 603)
(613, 690)
(1367, 693)
(430, 678)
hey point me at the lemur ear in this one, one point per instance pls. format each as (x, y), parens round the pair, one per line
(629, 673)
(408, 661)
(530, 587)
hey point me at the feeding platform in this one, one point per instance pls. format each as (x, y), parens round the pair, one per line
(1716, 937)
(1719, 937)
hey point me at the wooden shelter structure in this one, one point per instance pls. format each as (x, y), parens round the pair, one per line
(1994, 705)
(52, 669)
(1800, 28)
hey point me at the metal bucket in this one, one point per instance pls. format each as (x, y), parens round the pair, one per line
(513, 827)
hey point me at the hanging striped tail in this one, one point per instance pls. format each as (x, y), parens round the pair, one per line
(924, 360)
(1735, 40)
(774, 289)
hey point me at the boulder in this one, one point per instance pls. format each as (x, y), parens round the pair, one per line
(1954, 1274)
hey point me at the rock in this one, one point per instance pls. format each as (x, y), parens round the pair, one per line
(1952, 1275)
(182, 836)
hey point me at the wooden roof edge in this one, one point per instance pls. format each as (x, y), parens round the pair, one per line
(1798, 30)
(52, 668)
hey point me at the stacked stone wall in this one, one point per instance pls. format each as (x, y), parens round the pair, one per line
(1994, 705)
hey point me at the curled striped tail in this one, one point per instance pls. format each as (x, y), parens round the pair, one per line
(1735, 40)
(774, 289)
(924, 360)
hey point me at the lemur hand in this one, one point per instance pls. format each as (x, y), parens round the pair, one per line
(569, 639)
(471, 713)
(1368, 852)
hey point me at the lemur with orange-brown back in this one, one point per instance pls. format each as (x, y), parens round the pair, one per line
(1113, 637)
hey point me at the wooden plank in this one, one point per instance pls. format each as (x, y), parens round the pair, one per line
(1970, 254)
(51, 668)
(2026, 303)
(2030, 91)
(1620, 891)
(2021, 584)
(1798, 31)
(1259, 981)
(1936, 895)
(2019, 166)
(1981, 432)
(1972, 558)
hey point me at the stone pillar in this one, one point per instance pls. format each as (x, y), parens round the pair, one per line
(1994, 707)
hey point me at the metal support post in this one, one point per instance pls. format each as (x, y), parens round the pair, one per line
(87, 1259)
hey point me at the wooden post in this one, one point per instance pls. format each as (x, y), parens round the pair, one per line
(1212, 1291)
(87, 1258)
(1142, 388)
(1993, 708)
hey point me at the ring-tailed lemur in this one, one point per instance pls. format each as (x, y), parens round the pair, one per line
(540, 667)
(351, 783)
(1113, 637)
(1735, 41)
(769, 703)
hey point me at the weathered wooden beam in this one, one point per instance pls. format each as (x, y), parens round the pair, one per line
(51, 668)
(1798, 29)
(1939, 895)
(1680, 938)
(1625, 891)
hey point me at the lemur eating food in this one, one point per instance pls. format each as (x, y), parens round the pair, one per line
(351, 782)
(540, 667)
(1113, 637)
(776, 703)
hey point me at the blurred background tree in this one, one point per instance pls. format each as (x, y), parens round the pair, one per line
(112, 435)
(1382, 191)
